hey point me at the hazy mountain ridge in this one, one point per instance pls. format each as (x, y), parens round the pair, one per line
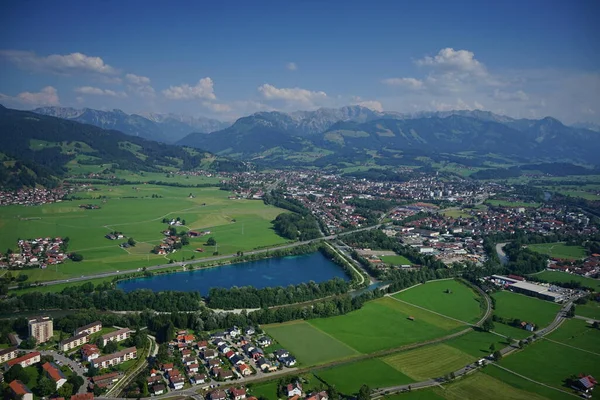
(167, 128)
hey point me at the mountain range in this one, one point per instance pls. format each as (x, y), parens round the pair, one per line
(353, 133)
(166, 128)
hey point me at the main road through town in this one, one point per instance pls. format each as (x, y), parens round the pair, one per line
(198, 261)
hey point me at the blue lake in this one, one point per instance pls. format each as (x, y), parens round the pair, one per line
(270, 272)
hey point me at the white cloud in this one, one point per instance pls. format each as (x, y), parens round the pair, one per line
(460, 60)
(459, 104)
(291, 66)
(411, 83)
(48, 96)
(99, 92)
(202, 90)
(140, 85)
(293, 95)
(216, 107)
(371, 104)
(519, 95)
(57, 63)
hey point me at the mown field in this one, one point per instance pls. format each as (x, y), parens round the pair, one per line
(237, 225)
(396, 260)
(579, 334)
(559, 250)
(589, 310)
(483, 386)
(461, 302)
(477, 343)
(505, 203)
(513, 305)
(523, 384)
(557, 276)
(384, 323)
(373, 372)
(308, 344)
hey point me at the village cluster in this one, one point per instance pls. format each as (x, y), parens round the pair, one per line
(39, 252)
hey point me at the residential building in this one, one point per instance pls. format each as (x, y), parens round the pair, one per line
(244, 370)
(238, 394)
(72, 342)
(26, 360)
(20, 390)
(318, 396)
(8, 354)
(90, 352)
(54, 373)
(294, 389)
(105, 380)
(115, 358)
(116, 336)
(83, 396)
(89, 328)
(41, 328)
(158, 389)
(217, 395)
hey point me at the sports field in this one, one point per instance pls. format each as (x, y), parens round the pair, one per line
(396, 260)
(350, 377)
(579, 334)
(447, 297)
(237, 225)
(513, 305)
(429, 361)
(308, 344)
(557, 276)
(384, 323)
(552, 363)
(559, 250)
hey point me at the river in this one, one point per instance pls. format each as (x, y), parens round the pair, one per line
(270, 272)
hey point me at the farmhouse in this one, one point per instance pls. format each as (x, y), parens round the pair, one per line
(20, 390)
(117, 336)
(89, 328)
(115, 358)
(8, 354)
(26, 360)
(55, 374)
(73, 342)
(585, 384)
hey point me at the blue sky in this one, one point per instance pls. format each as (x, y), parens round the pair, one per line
(225, 59)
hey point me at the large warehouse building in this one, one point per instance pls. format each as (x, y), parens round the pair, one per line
(531, 289)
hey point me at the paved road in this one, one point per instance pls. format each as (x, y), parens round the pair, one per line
(197, 261)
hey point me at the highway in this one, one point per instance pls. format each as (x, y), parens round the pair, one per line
(197, 261)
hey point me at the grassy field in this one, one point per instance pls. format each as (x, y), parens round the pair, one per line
(578, 333)
(396, 260)
(429, 362)
(237, 225)
(557, 276)
(530, 309)
(507, 330)
(477, 343)
(350, 377)
(457, 213)
(559, 250)
(421, 394)
(505, 203)
(552, 363)
(482, 386)
(526, 385)
(383, 324)
(589, 310)
(307, 343)
(461, 303)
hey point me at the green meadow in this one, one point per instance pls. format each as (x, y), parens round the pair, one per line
(513, 305)
(396, 260)
(559, 250)
(558, 276)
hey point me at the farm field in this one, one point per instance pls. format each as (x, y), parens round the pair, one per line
(307, 343)
(396, 260)
(557, 276)
(559, 250)
(589, 310)
(388, 326)
(534, 362)
(461, 303)
(477, 343)
(507, 330)
(429, 361)
(239, 225)
(350, 377)
(421, 394)
(578, 333)
(482, 386)
(523, 384)
(513, 305)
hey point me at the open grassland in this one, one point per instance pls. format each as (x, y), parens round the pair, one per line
(477, 343)
(239, 225)
(552, 363)
(589, 310)
(461, 302)
(421, 394)
(523, 384)
(559, 250)
(396, 260)
(511, 331)
(384, 323)
(307, 343)
(482, 386)
(557, 276)
(578, 333)
(513, 305)
(457, 213)
(373, 372)
(268, 390)
(505, 203)
(429, 361)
